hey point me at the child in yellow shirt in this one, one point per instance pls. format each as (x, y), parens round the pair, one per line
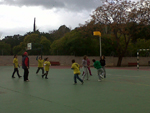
(76, 71)
(47, 64)
(40, 65)
(16, 65)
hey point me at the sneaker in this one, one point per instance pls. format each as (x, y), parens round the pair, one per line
(99, 80)
(82, 83)
(20, 76)
(13, 77)
(46, 78)
(42, 76)
(74, 83)
(101, 76)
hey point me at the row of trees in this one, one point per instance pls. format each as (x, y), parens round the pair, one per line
(17, 44)
(124, 25)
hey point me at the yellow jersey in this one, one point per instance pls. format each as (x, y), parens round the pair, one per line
(40, 63)
(15, 62)
(76, 68)
(47, 64)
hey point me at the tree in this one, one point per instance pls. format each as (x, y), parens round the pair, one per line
(39, 44)
(13, 41)
(121, 15)
(75, 43)
(17, 49)
(32, 38)
(140, 44)
(5, 48)
(45, 45)
(57, 34)
(139, 31)
(19, 43)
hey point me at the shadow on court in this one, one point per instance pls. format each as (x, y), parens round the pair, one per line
(123, 91)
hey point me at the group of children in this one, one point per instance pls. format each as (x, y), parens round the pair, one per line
(99, 65)
(47, 64)
(25, 66)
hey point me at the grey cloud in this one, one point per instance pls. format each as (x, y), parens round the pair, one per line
(66, 4)
(45, 3)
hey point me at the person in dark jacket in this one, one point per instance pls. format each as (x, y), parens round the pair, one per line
(102, 61)
(25, 66)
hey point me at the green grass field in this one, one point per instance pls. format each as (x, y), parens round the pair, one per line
(123, 91)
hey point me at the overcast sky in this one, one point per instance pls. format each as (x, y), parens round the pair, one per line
(17, 16)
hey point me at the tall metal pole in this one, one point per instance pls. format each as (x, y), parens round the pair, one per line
(100, 47)
(98, 33)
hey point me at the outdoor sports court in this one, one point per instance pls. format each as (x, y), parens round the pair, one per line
(123, 91)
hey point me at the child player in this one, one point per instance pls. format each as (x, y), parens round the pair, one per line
(76, 71)
(40, 65)
(88, 67)
(84, 64)
(98, 66)
(47, 64)
(16, 65)
(102, 61)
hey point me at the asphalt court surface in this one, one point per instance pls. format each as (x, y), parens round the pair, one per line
(123, 91)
